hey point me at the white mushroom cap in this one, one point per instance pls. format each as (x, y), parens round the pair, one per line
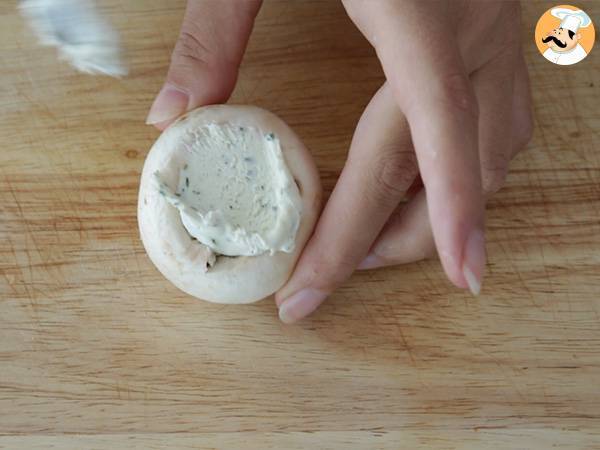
(241, 279)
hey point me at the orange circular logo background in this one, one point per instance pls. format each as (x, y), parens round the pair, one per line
(548, 22)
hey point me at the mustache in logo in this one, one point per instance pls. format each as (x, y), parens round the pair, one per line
(555, 40)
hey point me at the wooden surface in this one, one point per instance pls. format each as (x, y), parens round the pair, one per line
(97, 350)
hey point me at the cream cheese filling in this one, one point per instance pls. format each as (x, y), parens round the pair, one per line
(235, 193)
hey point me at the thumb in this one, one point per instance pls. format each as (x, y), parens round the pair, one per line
(205, 61)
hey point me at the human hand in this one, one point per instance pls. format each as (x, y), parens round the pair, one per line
(206, 58)
(457, 90)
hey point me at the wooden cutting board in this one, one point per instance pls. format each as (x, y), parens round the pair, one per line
(97, 350)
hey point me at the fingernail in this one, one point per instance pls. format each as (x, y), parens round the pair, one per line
(300, 305)
(371, 261)
(170, 103)
(473, 264)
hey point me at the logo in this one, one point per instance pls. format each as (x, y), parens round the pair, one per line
(565, 35)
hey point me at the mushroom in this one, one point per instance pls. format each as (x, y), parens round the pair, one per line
(228, 198)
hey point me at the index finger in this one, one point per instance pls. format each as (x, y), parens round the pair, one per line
(380, 167)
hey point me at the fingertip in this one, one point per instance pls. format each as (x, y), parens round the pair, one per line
(300, 305)
(162, 126)
(278, 300)
(472, 281)
(466, 266)
(474, 259)
(371, 261)
(170, 103)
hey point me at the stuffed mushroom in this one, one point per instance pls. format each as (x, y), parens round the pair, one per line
(228, 197)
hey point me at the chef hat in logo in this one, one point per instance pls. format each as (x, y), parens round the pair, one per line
(571, 19)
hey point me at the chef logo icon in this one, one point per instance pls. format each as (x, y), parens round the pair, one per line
(564, 35)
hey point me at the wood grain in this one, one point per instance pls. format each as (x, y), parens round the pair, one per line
(97, 350)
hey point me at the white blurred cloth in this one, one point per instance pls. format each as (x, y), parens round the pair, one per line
(82, 36)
